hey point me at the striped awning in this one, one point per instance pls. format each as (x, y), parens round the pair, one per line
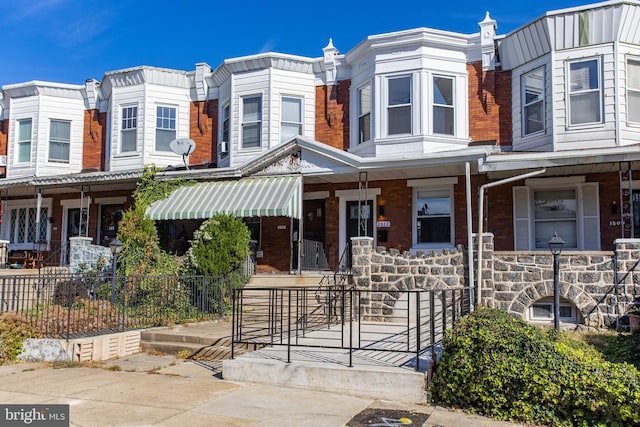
(262, 196)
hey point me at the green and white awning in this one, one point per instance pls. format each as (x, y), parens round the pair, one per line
(261, 196)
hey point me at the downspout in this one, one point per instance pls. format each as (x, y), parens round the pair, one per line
(467, 172)
(300, 225)
(481, 217)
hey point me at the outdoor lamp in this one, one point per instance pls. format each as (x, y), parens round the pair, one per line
(555, 246)
(116, 248)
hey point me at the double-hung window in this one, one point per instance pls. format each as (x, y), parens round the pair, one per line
(165, 127)
(585, 92)
(291, 122)
(251, 122)
(59, 140)
(399, 105)
(443, 107)
(364, 114)
(225, 123)
(533, 102)
(633, 90)
(128, 131)
(555, 211)
(24, 140)
(433, 216)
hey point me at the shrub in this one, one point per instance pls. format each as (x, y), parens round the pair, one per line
(14, 329)
(497, 365)
(219, 247)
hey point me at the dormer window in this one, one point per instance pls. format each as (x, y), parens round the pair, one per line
(364, 113)
(251, 122)
(291, 121)
(399, 105)
(533, 102)
(633, 90)
(585, 96)
(165, 127)
(59, 140)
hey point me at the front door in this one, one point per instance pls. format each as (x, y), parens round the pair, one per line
(357, 225)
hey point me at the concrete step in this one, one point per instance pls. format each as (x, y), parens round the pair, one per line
(219, 351)
(285, 280)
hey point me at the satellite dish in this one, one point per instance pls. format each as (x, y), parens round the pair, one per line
(183, 147)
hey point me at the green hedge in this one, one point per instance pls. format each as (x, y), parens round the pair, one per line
(499, 366)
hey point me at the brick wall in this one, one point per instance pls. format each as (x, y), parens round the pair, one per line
(489, 105)
(332, 114)
(94, 140)
(276, 249)
(203, 127)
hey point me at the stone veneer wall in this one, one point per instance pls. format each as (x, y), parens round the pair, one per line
(389, 272)
(512, 281)
(83, 253)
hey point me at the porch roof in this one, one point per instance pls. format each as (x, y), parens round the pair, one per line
(260, 196)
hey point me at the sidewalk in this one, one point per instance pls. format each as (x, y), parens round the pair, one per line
(143, 390)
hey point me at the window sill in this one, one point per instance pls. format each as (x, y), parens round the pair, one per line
(127, 155)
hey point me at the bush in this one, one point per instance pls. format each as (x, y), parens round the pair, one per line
(497, 365)
(219, 247)
(14, 329)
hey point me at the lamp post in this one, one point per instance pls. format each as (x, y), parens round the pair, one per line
(555, 246)
(116, 248)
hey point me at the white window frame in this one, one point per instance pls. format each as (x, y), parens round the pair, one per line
(388, 107)
(539, 102)
(225, 127)
(23, 144)
(633, 92)
(434, 185)
(11, 218)
(581, 92)
(362, 136)
(129, 124)
(548, 302)
(246, 123)
(283, 122)
(53, 141)
(439, 106)
(165, 125)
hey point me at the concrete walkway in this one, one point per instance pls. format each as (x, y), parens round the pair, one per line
(145, 390)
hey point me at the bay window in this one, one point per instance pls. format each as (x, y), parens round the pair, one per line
(24, 140)
(633, 90)
(251, 122)
(59, 140)
(128, 130)
(585, 92)
(533, 102)
(399, 104)
(443, 108)
(165, 127)
(364, 114)
(291, 121)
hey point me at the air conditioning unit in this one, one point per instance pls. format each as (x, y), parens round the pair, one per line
(3, 160)
(224, 147)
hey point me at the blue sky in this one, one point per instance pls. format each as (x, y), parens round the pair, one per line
(70, 41)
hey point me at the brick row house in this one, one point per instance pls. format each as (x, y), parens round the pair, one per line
(394, 139)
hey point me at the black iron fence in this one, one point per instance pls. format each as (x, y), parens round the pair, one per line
(69, 305)
(342, 317)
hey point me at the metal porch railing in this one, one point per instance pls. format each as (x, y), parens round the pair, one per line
(341, 317)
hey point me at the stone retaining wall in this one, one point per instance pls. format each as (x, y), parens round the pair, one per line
(511, 281)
